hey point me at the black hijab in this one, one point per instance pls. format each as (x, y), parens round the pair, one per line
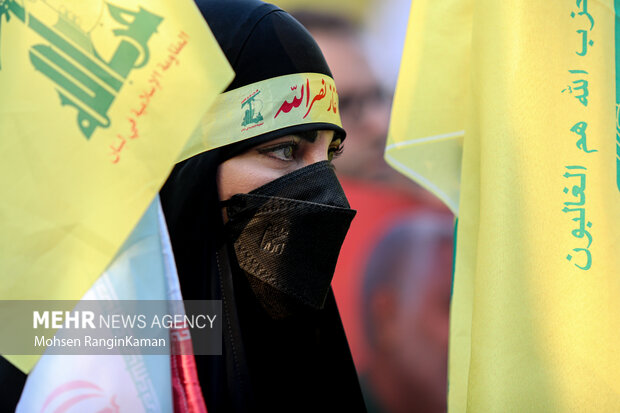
(299, 363)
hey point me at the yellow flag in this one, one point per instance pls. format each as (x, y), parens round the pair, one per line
(97, 99)
(532, 90)
(428, 119)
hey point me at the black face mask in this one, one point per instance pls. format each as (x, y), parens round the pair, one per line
(287, 236)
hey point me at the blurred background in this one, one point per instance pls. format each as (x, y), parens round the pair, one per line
(393, 278)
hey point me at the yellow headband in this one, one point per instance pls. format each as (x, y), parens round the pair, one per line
(263, 107)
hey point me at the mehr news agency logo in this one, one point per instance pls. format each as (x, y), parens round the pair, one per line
(90, 321)
(85, 81)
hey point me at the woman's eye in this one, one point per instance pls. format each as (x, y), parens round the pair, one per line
(284, 151)
(335, 151)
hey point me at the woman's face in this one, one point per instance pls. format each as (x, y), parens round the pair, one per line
(271, 160)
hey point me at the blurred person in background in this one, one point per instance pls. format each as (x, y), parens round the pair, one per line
(380, 194)
(364, 103)
(406, 295)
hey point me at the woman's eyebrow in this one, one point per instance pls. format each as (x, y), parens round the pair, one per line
(277, 141)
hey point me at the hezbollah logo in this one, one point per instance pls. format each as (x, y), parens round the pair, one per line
(84, 79)
(250, 116)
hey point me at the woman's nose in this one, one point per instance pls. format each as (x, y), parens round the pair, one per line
(315, 156)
